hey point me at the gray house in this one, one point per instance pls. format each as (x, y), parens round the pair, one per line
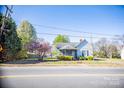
(75, 49)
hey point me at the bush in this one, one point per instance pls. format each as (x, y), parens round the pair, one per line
(40, 59)
(65, 57)
(89, 57)
(60, 57)
(22, 55)
(82, 58)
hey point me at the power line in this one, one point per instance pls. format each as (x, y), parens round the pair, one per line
(76, 31)
(71, 30)
(76, 36)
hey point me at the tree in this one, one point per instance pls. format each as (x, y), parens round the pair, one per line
(61, 39)
(121, 38)
(106, 49)
(101, 47)
(32, 46)
(27, 34)
(40, 47)
(10, 41)
(113, 51)
(43, 49)
(55, 52)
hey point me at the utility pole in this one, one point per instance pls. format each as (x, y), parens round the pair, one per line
(7, 15)
(92, 47)
(8, 12)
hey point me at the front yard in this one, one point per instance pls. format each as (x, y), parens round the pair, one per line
(54, 62)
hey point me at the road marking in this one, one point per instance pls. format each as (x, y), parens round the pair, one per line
(58, 75)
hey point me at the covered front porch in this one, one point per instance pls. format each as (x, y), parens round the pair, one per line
(69, 52)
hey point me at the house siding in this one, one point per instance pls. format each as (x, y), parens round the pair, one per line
(81, 49)
(84, 47)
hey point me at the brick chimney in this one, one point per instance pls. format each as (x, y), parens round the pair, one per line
(81, 40)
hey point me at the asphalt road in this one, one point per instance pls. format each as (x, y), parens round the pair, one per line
(61, 77)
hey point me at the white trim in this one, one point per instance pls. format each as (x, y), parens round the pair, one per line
(122, 53)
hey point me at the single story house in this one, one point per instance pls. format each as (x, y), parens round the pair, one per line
(76, 49)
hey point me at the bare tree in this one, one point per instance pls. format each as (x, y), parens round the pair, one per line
(121, 39)
(101, 47)
(105, 48)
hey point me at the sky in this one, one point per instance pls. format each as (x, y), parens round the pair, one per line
(80, 19)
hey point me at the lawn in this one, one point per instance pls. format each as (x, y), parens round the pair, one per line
(53, 61)
(103, 62)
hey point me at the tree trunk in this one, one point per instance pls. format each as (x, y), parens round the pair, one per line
(42, 58)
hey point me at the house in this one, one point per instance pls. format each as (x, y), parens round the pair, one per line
(76, 49)
(122, 53)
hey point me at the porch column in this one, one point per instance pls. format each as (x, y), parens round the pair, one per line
(65, 51)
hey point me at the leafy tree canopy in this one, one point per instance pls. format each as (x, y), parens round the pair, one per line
(11, 42)
(61, 39)
(26, 32)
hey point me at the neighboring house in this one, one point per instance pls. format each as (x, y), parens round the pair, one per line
(122, 53)
(82, 48)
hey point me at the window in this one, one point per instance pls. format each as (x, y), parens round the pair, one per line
(85, 53)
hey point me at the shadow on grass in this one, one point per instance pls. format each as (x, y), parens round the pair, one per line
(27, 61)
(36, 61)
(99, 59)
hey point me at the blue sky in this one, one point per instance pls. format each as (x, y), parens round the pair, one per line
(94, 19)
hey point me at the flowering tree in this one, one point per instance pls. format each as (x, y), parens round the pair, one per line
(32, 46)
(43, 49)
(40, 47)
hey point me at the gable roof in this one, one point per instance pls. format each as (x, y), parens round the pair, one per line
(70, 45)
(84, 41)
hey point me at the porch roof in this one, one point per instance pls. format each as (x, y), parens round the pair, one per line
(68, 47)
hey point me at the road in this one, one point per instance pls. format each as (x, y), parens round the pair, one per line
(61, 77)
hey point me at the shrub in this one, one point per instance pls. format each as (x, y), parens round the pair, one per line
(60, 57)
(22, 54)
(40, 59)
(82, 58)
(68, 57)
(65, 57)
(89, 57)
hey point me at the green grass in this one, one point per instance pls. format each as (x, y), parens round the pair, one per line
(101, 61)
(52, 59)
(116, 59)
(106, 61)
(31, 59)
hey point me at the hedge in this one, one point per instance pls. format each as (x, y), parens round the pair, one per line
(82, 58)
(86, 58)
(89, 57)
(65, 57)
